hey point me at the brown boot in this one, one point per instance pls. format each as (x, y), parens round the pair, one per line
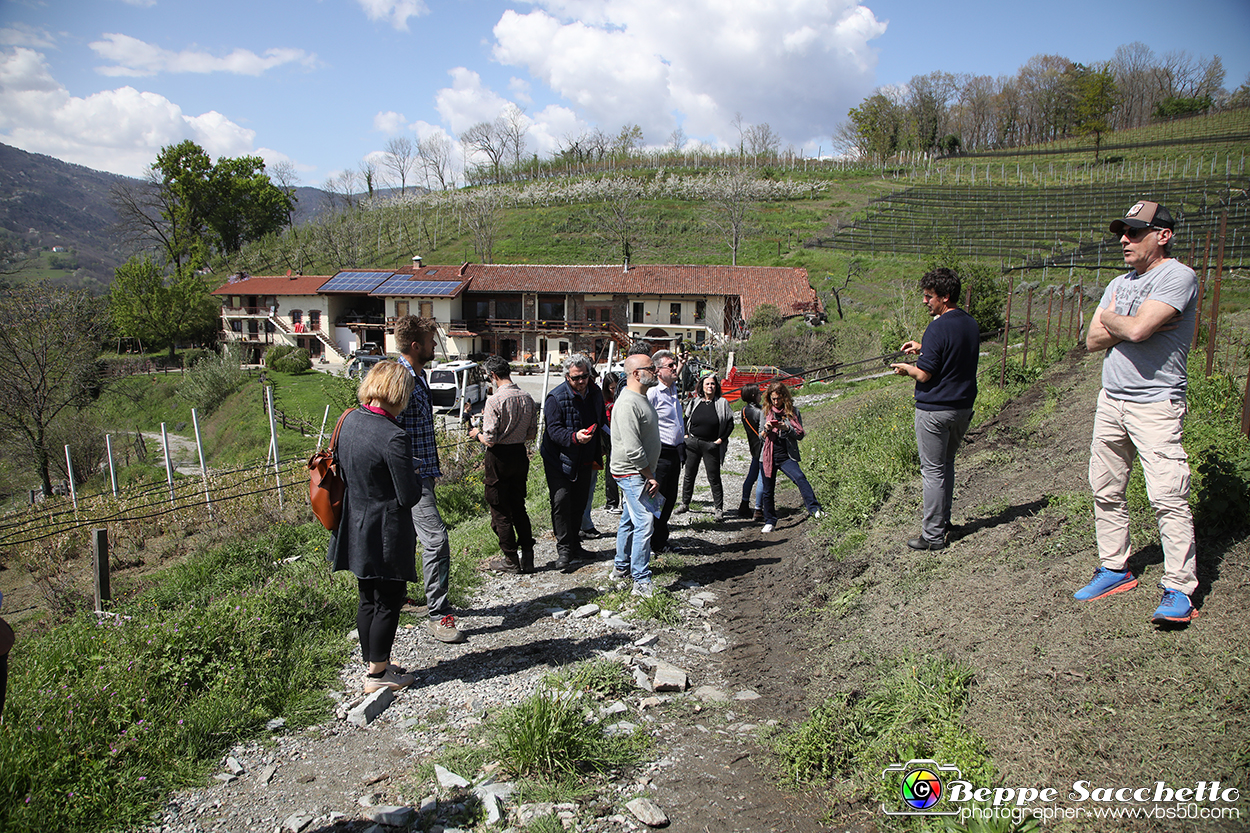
(507, 563)
(527, 559)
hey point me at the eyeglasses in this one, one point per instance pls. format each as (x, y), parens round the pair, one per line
(1137, 233)
(668, 366)
(581, 378)
(647, 369)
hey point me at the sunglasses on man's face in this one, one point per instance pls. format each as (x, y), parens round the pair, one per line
(1137, 233)
(580, 378)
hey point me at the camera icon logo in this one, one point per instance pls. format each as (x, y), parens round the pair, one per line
(921, 784)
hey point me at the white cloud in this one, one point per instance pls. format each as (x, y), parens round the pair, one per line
(21, 34)
(118, 130)
(143, 4)
(396, 11)
(389, 122)
(467, 102)
(796, 64)
(133, 57)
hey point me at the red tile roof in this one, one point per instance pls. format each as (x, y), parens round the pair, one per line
(786, 287)
(273, 285)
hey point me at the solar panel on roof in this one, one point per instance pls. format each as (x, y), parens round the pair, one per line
(355, 281)
(407, 285)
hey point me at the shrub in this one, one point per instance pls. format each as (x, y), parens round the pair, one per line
(549, 737)
(194, 355)
(287, 359)
(212, 379)
(765, 317)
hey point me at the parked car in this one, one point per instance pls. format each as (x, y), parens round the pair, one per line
(369, 348)
(358, 367)
(449, 380)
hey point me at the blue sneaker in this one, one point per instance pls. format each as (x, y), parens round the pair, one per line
(1175, 607)
(1106, 583)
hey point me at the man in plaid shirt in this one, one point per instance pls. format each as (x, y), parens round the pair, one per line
(415, 339)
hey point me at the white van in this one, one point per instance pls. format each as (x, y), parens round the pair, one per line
(449, 379)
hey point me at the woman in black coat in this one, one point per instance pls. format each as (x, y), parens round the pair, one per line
(375, 539)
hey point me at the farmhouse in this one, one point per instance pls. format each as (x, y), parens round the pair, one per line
(522, 312)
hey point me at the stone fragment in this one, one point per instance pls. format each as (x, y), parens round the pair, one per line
(493, 805)
(265, 775)
(375, 777)
(353, 635)
(372, 707)
(306, 779)
(613, 708)
(226, 777)
(697, 602)
(586, 611)
(369, 800)
(297, 822)
(622, 728)
(391, 815)
(374, 828)
(275, 724)
(527, 813)
(710, 694)
(649, 702)
(669, 678)
(641, 679)
(448, 779)
(233, 766)
(617, 623)
(746, 694)
(647, 812)
(559, 614)
(429, 805)
(649, 639)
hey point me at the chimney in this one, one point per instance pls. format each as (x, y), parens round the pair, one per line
(416, 262)
(626, 269)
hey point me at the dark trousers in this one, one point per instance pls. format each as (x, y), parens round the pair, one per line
(507, 473)
(377, 617)
(709, 453)
(568, 504)
(668, 473)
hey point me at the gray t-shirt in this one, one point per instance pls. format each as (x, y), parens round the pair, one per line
(1152, 370)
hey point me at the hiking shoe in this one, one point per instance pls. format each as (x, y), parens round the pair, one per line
(389, 679)
(644, 589)
(590, 534)
(1106, 583)
(922, 544)
(757, 515)
(1175, 607)
(682, 508)
(744, 509)
(767, 529)
(718, 514)
(817, 515)
(619, 574)
(614, 510)
(444, 630)
(504, 564)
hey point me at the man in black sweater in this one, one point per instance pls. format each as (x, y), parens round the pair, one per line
(946, 389)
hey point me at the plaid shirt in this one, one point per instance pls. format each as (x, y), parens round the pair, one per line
(418, 420)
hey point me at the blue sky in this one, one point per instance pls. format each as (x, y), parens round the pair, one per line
(323, 84)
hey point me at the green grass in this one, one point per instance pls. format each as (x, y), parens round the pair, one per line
(914, 711)
(104, 717)
(600, 676)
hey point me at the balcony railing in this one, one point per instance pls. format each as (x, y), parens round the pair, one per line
(529, 325)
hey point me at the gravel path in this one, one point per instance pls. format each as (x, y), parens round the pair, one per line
(338, 776)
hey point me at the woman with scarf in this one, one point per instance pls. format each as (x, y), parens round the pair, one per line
(375, 539)
(781, 428)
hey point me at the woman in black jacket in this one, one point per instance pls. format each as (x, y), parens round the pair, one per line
(375, 539)
(709, 422)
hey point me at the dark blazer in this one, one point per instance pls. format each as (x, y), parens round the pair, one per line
(565, 413)
(375, 538)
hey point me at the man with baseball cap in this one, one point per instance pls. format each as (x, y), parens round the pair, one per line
(1145, 323)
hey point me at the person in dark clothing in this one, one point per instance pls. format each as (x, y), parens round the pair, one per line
(375, 538)
(751, 414)
(573, 414)
(709, 422)
(946, 389)
(611, 494)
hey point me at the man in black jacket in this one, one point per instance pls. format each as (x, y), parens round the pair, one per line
(573, 414)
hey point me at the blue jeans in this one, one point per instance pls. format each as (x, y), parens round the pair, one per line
(754, 478)
(633, 536)
(790, 468)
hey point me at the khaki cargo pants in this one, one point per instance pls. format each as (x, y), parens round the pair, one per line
(1151, 431)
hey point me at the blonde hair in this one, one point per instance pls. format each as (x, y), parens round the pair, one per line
(787, 399)
(389, 383)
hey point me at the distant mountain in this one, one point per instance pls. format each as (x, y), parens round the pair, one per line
(47, 203)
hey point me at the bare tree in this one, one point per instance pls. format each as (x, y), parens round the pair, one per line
(618, 220)
(515, 128)
(761, 140)
(731, 202)
(490, 139)
(434, 154)
(740, 125)
(285, 176)
(369, 175)
(399, 161)
(1133, 66)
(677, 139)
(341, 189)
(480, 212)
